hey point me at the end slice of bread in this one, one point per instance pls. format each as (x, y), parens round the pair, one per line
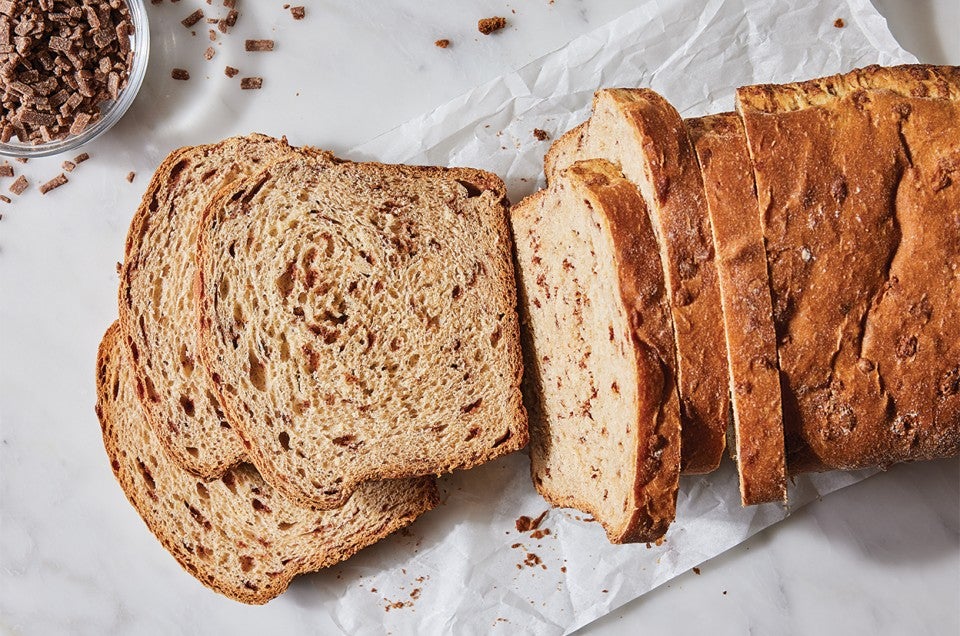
(359, 322)
(747, 310)
(641, 133)
(158, 305)
(236, 534)
(604, 406)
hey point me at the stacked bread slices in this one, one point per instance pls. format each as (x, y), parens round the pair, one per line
(303, 344)
(792, 268)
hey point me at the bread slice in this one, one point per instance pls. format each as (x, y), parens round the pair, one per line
(640, 132)
(236, 535)
(747, 312)
(857, 177)
(158, 307)
(359, 322)
(604, 406)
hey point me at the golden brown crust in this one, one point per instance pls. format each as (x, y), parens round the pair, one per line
(474, 181)
(911, 80)
(856, 177)
(322, 551)
(747, 310)
(643, 293)
(683, 225)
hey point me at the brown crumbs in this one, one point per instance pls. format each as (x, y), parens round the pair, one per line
(696, 571)
(68, 166)
(6, 170)
(489, 25)
(540, 134)
(230, 71)
(563, 569)
(533, 560)
(83, 156)
(415, 594)
(193, 18)
(839, 23)
(258, 45)
(251, 83)
(131, 176)
(526, 524)
(54, 183)
(539, 534)
(209, 53)
(18, 186)
(180, 74)
(298, 13)
(444, 43)
(5, 198)
(396, 604)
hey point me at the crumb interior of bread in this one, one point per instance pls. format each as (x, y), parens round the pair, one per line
(235, 533)
(363, 323)
(584, 449)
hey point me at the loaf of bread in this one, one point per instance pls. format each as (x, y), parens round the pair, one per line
(600, 360)
(359, 322)
(158, 309)
(857, 177)
(640, 132)
(741, 262)
(236, 534)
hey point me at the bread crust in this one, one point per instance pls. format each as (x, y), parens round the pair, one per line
(161, 210)
(857, 183)
(641, 290)
(323, 548)
(747, 309)
(682, 223)
(209, 341)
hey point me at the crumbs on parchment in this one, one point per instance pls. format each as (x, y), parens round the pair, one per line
(491, 25)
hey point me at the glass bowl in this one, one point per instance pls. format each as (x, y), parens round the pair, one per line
(110, 111)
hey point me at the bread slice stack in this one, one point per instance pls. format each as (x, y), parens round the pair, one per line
(808, 248)
(600, 352)
(303, 344)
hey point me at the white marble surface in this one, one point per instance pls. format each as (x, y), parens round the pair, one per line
(879, 557)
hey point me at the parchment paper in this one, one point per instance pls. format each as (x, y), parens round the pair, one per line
(464, 568)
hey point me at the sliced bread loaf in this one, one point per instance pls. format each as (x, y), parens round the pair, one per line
(604, 407)
(747, 312)
(158, 307)
(236, 535)
(359, 322)
(858, 178)
(642, 134)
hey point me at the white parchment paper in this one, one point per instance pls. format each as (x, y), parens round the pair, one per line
(464, 568)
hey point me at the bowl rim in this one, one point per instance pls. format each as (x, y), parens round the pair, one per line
(113, 111)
